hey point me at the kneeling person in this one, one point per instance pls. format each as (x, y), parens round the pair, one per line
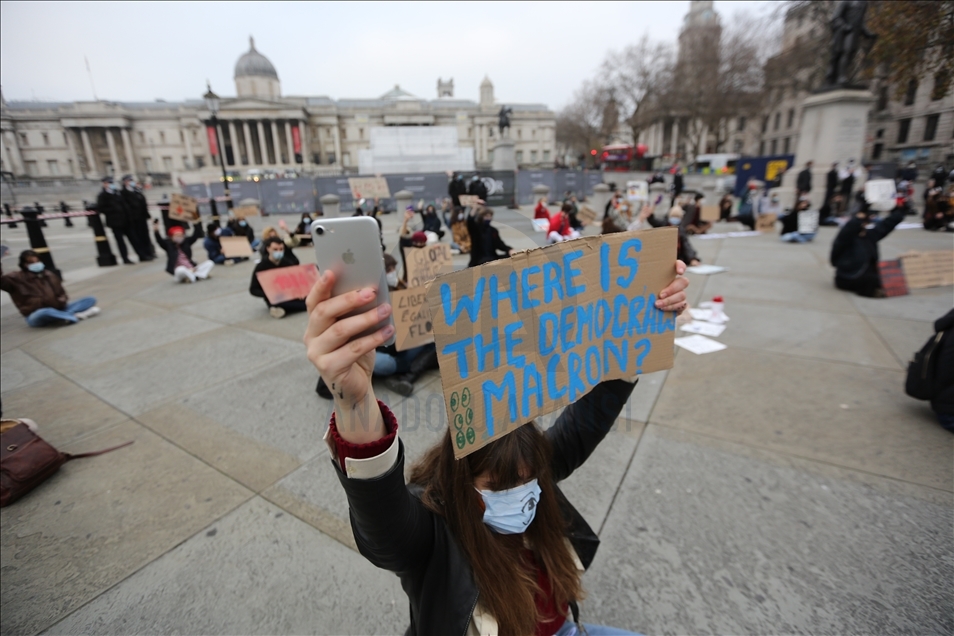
(275, 256)
(39, 295)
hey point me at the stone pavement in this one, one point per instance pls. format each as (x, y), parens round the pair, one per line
(785, 484)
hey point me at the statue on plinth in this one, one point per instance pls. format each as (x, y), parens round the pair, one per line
(847, 30)
(504, 119)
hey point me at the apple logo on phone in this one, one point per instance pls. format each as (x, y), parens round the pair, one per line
(348, 258)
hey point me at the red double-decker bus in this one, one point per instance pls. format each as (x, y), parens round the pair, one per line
(617, 157)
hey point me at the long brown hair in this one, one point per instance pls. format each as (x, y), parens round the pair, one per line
(506, 581)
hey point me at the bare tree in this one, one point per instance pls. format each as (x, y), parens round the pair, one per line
(584, 123)
(638, 74)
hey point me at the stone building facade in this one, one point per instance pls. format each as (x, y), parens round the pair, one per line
(260, 131)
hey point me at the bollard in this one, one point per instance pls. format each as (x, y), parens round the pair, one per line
(601, 196)
(402, 199)
(37, 240)
(330, 205)
(105, 257)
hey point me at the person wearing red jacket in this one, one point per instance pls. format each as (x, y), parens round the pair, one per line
(560, 227)
(541, 211)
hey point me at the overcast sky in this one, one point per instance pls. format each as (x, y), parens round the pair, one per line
(142, 51)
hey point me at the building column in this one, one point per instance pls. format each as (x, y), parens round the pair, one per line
(338, 145)
(262, 146)
(7, 156)
(223, 157)
(88, 150)
(289, 143)
(13, 145)
(276, 147)
(236, 147)
(305, 147)
(127, 147)
(673, 140)
(187, 133)
(247, 138)
(111, 142)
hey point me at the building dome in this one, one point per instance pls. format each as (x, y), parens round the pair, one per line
(254, 64)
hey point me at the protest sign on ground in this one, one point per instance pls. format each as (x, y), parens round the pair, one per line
(183, 208)
(412, 318)
(928, 269)
(424, 264)
(892, 278)
(710, 213)
(235, 247)
(244, 211)
(468, 200)
(524, 336)
(369, 188)
(766, 222)
(586, 215)
(288, 283)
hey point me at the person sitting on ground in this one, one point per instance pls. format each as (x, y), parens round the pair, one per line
(178, 248)
(541, 211)
(574, 210)
(213, 246)
(646, 219)
(241, 227)
(485, 242)
(431, 222)
(39, 295)
(684, 250)
(291, 241)
(408, 239)
(482, 544)
(617, 218)
(854, 253)
(560, 228)
(692, 219)
(276, 255)
(725, 207)
(612, 204)
(790, 228)
(303, 229)
(938, 214)
(747, 203)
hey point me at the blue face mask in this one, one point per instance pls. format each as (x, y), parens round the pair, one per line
(511, 511)
(277, 256)
(674, 220)
(243, 223)
(36, 267)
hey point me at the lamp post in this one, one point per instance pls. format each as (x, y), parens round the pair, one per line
(212, 103)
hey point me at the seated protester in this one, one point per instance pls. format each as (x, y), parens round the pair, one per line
(854, 253)
(616, 218)
(612, 204)
(789, 232)
(178, 248)
(725, 207)
(276, 255)
(560, 228)
(692, 218)
(408, 239)
(39, 295)
(240, 227)
(937, 211)
(747, 203)
(574, 211)
(931, 371)
(684, 249)
(485, 241)
(460, 235)
(431, 221)
(303, 229)
(541, 211)
(290, 240)
(646, 220)
(213, 248)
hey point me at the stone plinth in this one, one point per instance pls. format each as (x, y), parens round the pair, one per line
(504, 156)
(330, 205)
(402, 199)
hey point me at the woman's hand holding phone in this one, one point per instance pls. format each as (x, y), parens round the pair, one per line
(344, 360)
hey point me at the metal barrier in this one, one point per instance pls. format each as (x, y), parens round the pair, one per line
(34, 225)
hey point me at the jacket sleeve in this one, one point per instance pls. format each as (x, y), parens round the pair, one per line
(161, 242)
(254, 287)
(688, 251)
(841, 243)
(499, 245)
(197, 233)
(883, 227)
(584, 424)
(7, 283)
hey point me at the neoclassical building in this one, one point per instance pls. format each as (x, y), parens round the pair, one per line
(260, 131)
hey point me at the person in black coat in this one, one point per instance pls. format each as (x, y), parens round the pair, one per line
(178, 249)
(110, 204)
(854, 253)
(432, 222)
(277, 256)
(803, 185)
(138, 211)
(831, 184)
(456, 187)
(477, 188)
(485, 241)
(64, 208)
(677, 184)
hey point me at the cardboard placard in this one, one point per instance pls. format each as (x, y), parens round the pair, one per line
(710, 213)
(766, 222)
(808, 221)
(469, 200)
(928, 269)
(892, 278)
(369, 188)
(880, 190)
(637, 191)
(288, 283)
(586, 215)
(244, 211)
(412, 318)
(424, 264)
(524, 336)
(540, 225)
(183, 208)
(235, 247)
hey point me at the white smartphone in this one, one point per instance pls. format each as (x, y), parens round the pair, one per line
(351, 248)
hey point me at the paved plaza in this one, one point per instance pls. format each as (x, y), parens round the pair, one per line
(786, 484)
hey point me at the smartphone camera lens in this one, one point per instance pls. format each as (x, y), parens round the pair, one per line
(319, 230)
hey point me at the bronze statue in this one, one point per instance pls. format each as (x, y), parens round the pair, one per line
(504, 119)
(847, 29)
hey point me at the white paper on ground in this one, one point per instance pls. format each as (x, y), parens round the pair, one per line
(541, 225)
(699, 344)
(704, 328)
(706, 313)
(705, 269)
(726, 235)
(909, 226)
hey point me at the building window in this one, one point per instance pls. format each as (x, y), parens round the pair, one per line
(533, 156)
(791, 117)
(24, 140)
(147, 164)
(533, 134)
(876, 152)
(469, 132)
(778, 120)
(519, 156)
(331, 157)
(904, 126)
(880, 133)
(787, 145)
(162, 137)
(761, 148)
(53, 167)
(167, 164)
(346, 159)
(519, 133)
(882, 98)
(774, 147)
(737, 145)
(911, 92)
(31, 168)
(66, 140)
(741, 126)
(142, 137)
(546, 156)
(200, 162)
(930, 127)
(186, 163)
(344, 133)
(765, 124)
(46, 139)
(941, 81)
(360, 133)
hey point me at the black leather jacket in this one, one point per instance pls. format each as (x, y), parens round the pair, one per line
(394, 530)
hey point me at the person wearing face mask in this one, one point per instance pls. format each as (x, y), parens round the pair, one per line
(276, 255)
(137, 211)
(110, 204)
(684, 250)
(240, 227)
(303, 229)
(692, 220)
(485, 242)
(854, 252)
(484, 544)
(431, 222)
(178, 248)
(39, 295)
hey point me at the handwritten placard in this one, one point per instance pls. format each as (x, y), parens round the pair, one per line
(235, 247)
(524, 336)
(183, 208)
(766, 222)
(412, 318)
(469, 200)
(586, 215)
(928, 269)
(369, 187)
(244, 211)
(424, 264)
(287, 283)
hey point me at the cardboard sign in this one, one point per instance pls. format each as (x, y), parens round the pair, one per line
(880, 191)
(469, 200)
(235, 247)
(183, 208)
(637, 191)
(524, 336)
(928, 269)
(412, 318)
(288, 283)
(244, 211)
(424, 264)
(892, 278)
(765, 222)
(369, 188)
(808, 221)
(710, 213)
(586, 215)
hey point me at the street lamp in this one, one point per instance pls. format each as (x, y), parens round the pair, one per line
(212, 103)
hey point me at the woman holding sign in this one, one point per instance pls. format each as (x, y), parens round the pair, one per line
(483, 544)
